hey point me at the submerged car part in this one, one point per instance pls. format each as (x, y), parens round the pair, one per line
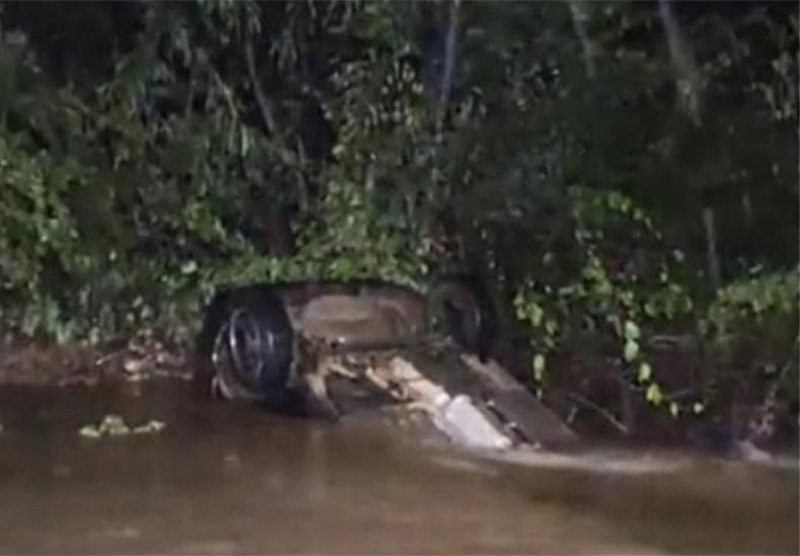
(246, 347)
(360, 315)
(280, 344)
(456, 416)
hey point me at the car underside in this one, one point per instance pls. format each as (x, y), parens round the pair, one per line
(312, 348)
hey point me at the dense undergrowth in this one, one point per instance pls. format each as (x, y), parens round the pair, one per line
(598, 166)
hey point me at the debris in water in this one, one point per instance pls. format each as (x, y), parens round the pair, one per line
(90, 431)
(151, 427)
(114, 425)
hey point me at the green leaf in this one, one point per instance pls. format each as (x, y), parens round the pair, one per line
(189, 267)
(645, 373)
(632, 331)
(631, 350)
(626, 298)
(538, 366)
(654, 394)
(536, 314)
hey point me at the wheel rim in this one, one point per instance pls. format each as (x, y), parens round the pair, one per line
(238, 356)
(246, 345)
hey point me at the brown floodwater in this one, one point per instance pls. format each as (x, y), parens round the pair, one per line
(225, 479)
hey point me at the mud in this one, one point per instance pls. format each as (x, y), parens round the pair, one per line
(32, 363)
(223, 478)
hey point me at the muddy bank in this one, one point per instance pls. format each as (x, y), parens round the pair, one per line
(33, 363)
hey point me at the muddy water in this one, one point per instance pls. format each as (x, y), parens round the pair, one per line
(222, 479)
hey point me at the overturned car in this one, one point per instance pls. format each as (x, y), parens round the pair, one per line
(286, 346)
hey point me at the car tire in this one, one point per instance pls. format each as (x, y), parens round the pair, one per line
(456, 310)
(246, 347)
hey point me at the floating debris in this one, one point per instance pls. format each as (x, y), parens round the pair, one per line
(114, 425)
(151, 427)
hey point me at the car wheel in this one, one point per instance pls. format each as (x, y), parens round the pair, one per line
(457, 312)
(245, 348)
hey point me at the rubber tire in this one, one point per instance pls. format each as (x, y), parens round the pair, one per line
(266, 362)
(456, 310)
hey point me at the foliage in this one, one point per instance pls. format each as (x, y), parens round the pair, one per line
(164, 191)
(754, 302)
(402, 140)
(38, 236)
(622, 287)
(754, 321)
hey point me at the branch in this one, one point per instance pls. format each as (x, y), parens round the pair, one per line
(187, 109)
(691, 390)
(449, 63)
(616, 423)
(688, 81)
(580, 18)
(302, 159)
(264, 103)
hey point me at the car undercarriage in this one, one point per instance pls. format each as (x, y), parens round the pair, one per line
(327, 349)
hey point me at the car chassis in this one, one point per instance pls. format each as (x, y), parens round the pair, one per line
(281, 344)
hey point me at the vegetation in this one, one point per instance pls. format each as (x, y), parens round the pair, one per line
(621, 171)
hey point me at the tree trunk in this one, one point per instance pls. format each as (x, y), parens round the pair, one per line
(279, 237)
(448, 66)
(711, 248)
(747, 210)
(580, 20)
(687, 78)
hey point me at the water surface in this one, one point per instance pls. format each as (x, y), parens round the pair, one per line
(223, 479)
